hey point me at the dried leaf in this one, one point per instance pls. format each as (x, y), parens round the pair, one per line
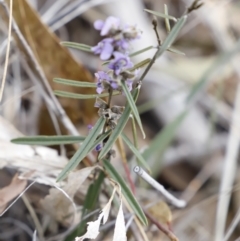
(120, 229)
(55, 60)
(11, 191)
(161, 212)
(57, 204)
(93, 227)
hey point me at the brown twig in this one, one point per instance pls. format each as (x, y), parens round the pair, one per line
(125, 165)
(166, 231)
(154, 23)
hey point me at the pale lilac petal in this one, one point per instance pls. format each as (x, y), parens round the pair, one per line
(97, 49)
(114, 85)
(99, 90)
(98, 25)
(106, 52)
(110, 23)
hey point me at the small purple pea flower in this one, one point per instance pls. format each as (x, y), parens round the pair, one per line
(98, 147)
(89, 127)
(104, 48)
(121, 44)
(105, 81)
(101, 78)
(111, 24)
(120, 62)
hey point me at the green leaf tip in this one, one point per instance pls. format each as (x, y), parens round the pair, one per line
(133, 106)
(161, 15)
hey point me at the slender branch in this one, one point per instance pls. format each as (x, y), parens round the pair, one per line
(166, 231)
(154, 23)
(8, 46)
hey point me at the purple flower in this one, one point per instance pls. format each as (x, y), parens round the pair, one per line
(98, 147)
(89, 127)
(113, 84)
(105, 81)
(104, 48)
(111, 24)
(101, 78)
(120, 62)
(121, 44)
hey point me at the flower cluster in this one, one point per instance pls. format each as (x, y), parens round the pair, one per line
(114, 48)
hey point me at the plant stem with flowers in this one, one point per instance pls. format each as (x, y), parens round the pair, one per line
(117, 78)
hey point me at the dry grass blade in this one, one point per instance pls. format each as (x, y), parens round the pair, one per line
(8, 49)
(230, 166)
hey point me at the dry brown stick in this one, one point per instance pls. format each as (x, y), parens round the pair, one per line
(166, 231)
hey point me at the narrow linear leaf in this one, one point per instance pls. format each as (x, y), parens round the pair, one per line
(82, 96)
(119, 128)
(172, 35)
(136, 152)
(175, 51)
(48, 140)
(56, 140)
(126, 192)
(79, 46)
(83, 150)
(223, 59)
(100, 139)
(106, 62)
(140, 64)
(163, 139)
(74, 83)
(141, 51)
(133, 106)
(161, 15)
(167, 23)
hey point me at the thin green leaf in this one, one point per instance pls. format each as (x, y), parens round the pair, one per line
(136, 152)
(175, 51)
(79, 46)
(106, 62)
(126, 192)
(74, 83)
(83, 150)
(167, 23)
(172, 36)
(133, 106)
(140, 64)
(223, 59)
(48, 140)
(82, 96)
(141, 51)
(163, 139)
(100, 139)
(161, 15)
(119, 128)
